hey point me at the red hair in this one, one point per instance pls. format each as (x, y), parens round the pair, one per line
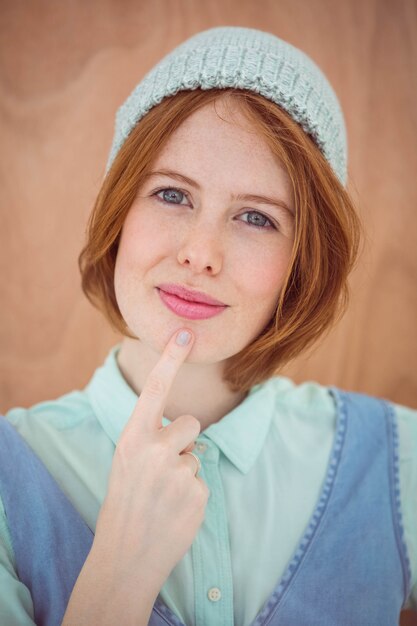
(327, 230)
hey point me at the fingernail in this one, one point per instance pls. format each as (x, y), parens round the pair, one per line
(183, 338)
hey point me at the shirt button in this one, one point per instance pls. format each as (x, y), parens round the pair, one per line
(214, 594)
(201, 447)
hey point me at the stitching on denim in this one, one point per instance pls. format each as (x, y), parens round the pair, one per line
(268, 611)
(395, 492)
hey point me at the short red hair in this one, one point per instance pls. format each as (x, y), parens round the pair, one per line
(327, 229)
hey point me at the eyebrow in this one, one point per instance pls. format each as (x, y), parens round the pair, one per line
(247, 197)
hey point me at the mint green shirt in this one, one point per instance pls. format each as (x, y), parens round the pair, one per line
(264, 463)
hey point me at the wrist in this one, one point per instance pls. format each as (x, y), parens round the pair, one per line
(104, 591)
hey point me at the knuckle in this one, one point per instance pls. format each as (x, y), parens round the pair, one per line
(124, 453)
(123, 445)
(164, 447)
(171, 356)
(155, 387)
(186, 470)
(202, 494)
(192, 422)
(204, 489)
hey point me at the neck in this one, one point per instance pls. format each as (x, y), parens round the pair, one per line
(198, 389)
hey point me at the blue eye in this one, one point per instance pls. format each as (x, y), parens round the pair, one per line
(260, 221)
(170, 195)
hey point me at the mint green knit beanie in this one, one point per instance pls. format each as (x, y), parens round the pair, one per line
(245, 58)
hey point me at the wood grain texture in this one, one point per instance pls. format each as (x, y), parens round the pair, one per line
(64, 69)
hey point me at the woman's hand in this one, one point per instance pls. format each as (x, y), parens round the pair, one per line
(154, 505)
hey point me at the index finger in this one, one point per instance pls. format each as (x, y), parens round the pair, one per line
(150, 406)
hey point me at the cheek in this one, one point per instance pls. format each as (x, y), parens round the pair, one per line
(262, 275)
(130, 267)
(142, 244)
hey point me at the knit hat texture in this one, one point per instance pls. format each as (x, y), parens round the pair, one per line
(245, 58)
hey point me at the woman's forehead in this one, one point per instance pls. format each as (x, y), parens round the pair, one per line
(210, 142)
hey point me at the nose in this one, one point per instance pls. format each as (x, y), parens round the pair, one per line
(201, 249)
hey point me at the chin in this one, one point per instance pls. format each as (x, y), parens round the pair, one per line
(205, 350)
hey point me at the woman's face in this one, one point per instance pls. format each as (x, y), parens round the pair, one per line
(203, 234)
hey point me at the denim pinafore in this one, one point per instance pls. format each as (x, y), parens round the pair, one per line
(349, 569)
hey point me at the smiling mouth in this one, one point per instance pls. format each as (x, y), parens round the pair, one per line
(188, 309)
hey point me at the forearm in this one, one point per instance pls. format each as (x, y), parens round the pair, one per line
(103, 596)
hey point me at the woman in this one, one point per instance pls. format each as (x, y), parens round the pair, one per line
(190, 483)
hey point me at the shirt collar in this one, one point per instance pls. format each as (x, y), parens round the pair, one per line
(240, 434)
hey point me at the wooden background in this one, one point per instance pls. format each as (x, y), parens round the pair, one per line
(64, 69)
(66, 66)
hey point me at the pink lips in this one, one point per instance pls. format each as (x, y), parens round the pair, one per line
(180, 301)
